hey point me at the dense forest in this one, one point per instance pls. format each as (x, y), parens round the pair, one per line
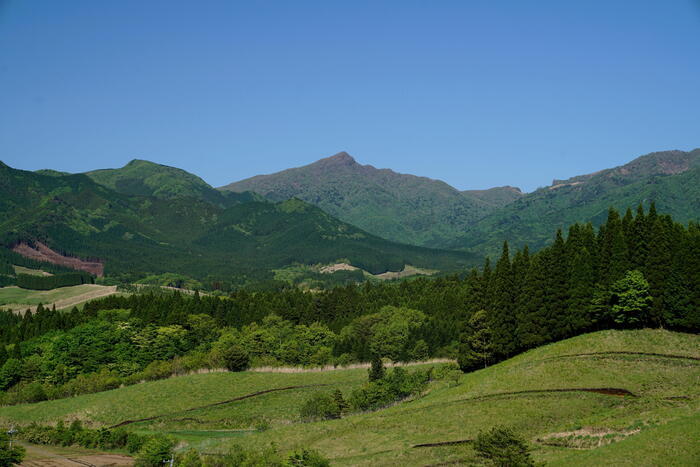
(636, 270)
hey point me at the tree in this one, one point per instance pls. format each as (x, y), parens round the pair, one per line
(476, 346)
(420, 351)
(339, 400)
(376, 371)
(631, 300)
(235, 358)
(155, 452)
(10, 455)
(502, 447)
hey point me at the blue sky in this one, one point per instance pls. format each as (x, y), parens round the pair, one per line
(476, 93)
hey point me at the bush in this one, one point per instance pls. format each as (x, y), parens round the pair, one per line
(396, 385)
(502, 447)
(320, 406)
(155, 452)
(307, 458)
(10, 455)
(376, 371)
(235, 358)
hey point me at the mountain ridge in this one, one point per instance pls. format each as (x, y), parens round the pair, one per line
(400, 207)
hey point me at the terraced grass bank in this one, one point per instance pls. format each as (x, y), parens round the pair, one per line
(606, 398)
(17, 299)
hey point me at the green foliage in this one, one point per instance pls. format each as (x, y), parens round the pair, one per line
(631, 300)
(306, 458)
(10, 455)
(500, 446)
(376, 370)
(476, 347)
(235, 358)
(155, 452)
(396, 385)
(320, 406)
(29, 281)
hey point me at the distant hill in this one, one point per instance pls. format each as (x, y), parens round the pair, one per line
(140, 177)
(399, 207)
(670, 178)
(496, 197)
(138, 234)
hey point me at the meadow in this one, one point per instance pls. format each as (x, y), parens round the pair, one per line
(656, 422)
(15, 298)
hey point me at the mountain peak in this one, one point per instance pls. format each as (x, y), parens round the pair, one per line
(342, 158)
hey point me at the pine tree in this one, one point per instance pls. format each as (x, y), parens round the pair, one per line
(532, 329)
(476, 343)
(502, 320)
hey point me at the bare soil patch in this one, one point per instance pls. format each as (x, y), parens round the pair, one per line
(41, 252)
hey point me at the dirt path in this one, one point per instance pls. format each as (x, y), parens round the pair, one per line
(352, 366)
(46, 456)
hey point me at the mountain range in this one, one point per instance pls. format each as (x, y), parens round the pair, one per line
(422, 211)
(190, 228)
(404, 208)
(147, 218)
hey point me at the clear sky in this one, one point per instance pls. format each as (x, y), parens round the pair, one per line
(476, 93)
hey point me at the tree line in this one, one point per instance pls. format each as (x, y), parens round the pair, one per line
(636, 270)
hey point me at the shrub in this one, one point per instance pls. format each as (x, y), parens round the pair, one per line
(235, 358)
(396, 385)
(189, 458)
(155, 452)
(307, 458)
(376, 371)
(502, 447)
(320, 406)
(10, 455)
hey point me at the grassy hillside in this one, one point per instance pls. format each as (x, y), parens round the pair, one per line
(671, 179)
(139, 235)
(14, 298)
(657, 424)
(399, 207)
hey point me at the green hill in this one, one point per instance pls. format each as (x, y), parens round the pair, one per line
(399, 207)
(540, 393)
(140, 177)
(138, 234)
(671, 179)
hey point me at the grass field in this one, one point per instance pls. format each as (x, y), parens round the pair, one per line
(14, 298)
(659, 424)
(31, 272)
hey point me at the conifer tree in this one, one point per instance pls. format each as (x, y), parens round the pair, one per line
(502, 316)
(476, 348)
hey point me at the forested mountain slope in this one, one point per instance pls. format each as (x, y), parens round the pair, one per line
(399, 207)
(146, 234)
(671, 179)
(140, 177)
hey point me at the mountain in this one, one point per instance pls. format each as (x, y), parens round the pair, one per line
(497, 196)
(671, 179)
(144, 234)
(399, 207)
(140, 177)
